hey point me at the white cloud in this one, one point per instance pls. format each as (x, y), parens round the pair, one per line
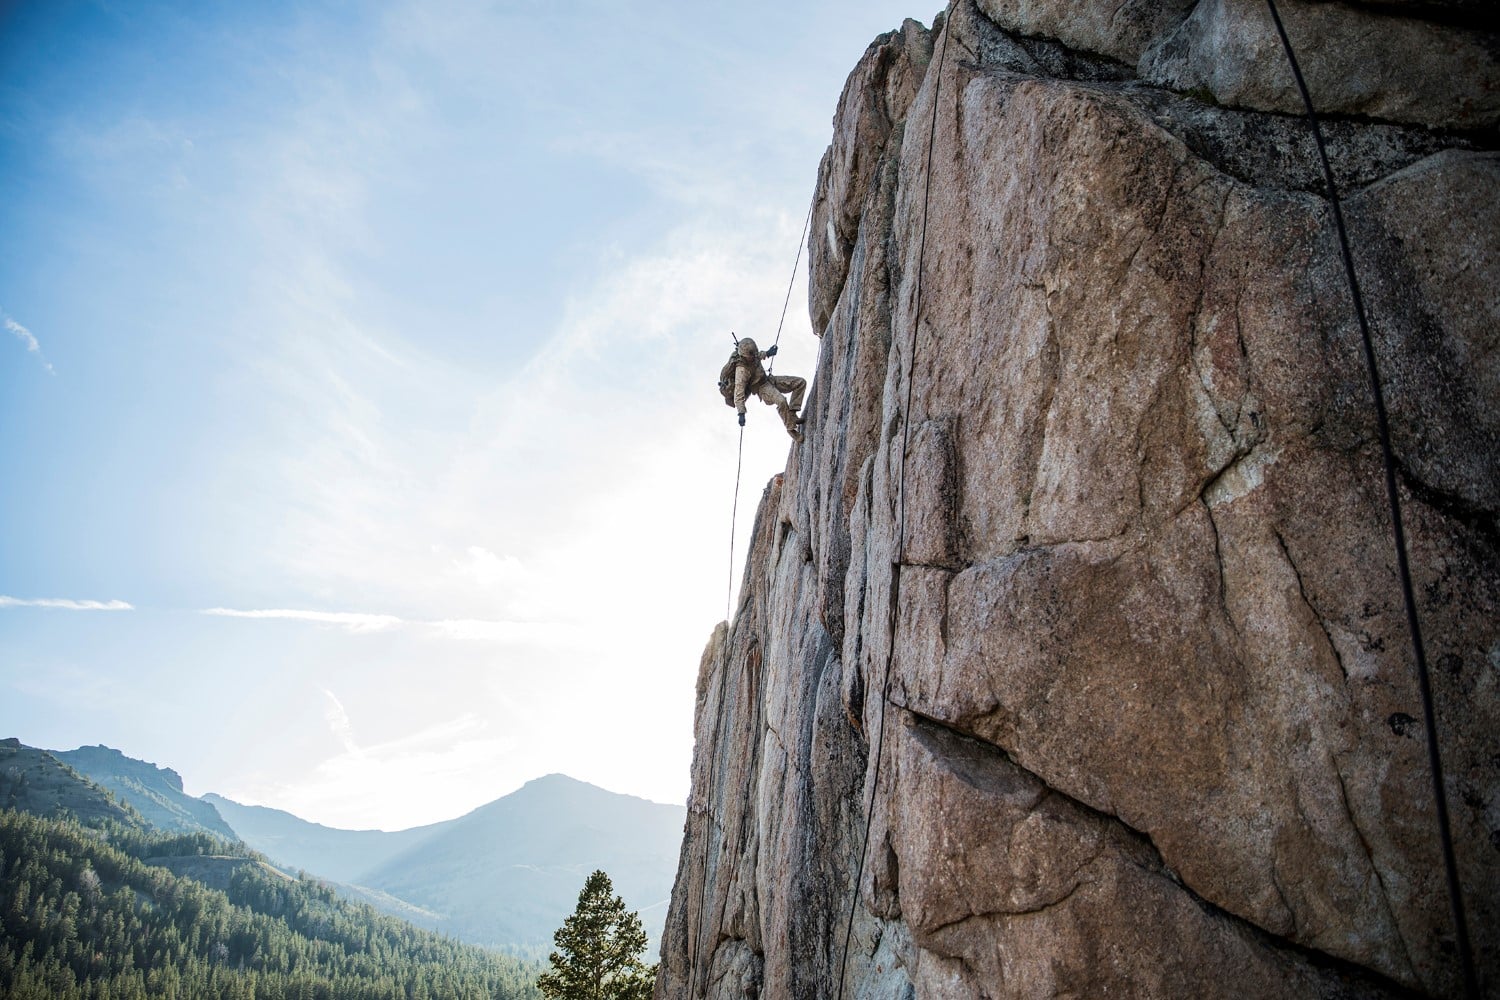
(354, 621)
(28, 338)
(64, 603)
(359, 621)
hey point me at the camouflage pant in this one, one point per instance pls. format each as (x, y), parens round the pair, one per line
(770, 392)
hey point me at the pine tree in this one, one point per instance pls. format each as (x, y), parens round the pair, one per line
(598, 950)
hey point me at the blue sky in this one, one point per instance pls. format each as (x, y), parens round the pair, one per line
(362, 455)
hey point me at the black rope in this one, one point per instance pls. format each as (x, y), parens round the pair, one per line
(729, 589)
(894, 605)
(801, 242)
(733, 514)
(1388, 457)
(797, 260)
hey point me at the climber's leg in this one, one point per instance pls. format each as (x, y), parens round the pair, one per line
(793, 385)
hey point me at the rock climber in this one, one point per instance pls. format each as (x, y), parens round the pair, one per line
(742, 376)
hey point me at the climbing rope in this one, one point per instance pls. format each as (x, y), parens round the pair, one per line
(900, 558)
(1393, 496)
(734, 510)
(801, 242)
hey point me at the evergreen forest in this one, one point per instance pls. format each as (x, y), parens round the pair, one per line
(103, 912)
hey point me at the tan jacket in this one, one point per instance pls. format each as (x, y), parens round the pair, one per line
(748, 376)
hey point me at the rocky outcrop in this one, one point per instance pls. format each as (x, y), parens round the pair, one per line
(1380, 60)
(1080, 597)
(156, 792)
(35, 781)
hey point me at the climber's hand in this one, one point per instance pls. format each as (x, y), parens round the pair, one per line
(772, 352)
(742, 420)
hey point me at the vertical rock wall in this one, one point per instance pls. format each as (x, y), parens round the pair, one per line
(1136, 716)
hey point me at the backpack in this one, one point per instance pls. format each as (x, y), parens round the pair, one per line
(726, 378)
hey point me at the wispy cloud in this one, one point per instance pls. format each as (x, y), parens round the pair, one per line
(358, 621)
(339, 722)
(28, 338)
(354, 621)
(63, 603)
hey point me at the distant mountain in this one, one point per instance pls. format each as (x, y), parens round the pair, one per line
(130, 914)
(35, 781)
(155, 792)
(506, 874)
(510, 872)
(341, 855)
(111, 904)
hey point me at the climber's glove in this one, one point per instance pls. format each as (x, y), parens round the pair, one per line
(772, 352)
(742, 420)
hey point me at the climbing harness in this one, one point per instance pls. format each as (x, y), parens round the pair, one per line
(1393, 496)
(900, 556)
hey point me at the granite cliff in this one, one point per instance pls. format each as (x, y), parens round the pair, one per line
(1136, 716)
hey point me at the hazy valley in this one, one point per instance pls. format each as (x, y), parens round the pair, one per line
(503, 875)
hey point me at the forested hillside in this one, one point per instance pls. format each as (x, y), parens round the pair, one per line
(35, 781)
(504, 875)
(85, 918)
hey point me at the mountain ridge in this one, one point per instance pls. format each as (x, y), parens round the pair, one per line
(331, 852)
(154, 791)
(36, 781)
(554, 830)
(503, 874)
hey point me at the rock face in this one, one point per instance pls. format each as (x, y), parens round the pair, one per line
(156, 792)
(1071, 658)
